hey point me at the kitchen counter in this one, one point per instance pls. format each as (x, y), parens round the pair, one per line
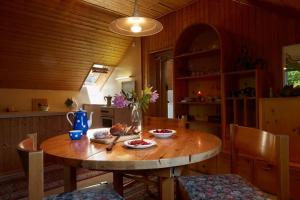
(29, 114)
(14, 126)
(100, 105)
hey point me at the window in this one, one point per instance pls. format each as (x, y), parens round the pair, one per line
(291, 65)
(293, 78)
(95, 73)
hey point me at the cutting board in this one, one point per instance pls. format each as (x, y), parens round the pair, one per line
(111, 139)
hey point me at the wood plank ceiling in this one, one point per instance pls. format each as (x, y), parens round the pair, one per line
(146, 8)
(53, 44)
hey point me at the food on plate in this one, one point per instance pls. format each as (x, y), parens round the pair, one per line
(139, 142)
(162, 131)
(102, 133)
(118, 129)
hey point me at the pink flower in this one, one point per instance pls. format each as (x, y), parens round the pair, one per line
(120, 101)
(154, 96)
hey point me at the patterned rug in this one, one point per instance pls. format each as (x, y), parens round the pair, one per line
(138, 191)
(15, 187)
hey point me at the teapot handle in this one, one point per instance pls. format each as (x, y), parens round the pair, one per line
(105, 98)
(68, 117)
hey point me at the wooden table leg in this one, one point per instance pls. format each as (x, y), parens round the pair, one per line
(167, 188)
(118, 182)
(70, 183)
(166, 182)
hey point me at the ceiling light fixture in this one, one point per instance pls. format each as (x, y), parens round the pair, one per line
(135, 26)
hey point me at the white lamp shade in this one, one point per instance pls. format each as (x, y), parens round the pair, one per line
(135, 26)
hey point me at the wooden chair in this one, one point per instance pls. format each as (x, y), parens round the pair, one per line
(32, 162)
(257, 144)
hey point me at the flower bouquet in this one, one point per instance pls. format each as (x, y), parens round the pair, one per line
(137, 103)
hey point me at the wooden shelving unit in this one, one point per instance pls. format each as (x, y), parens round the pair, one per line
(200, 65)
(211, 75)
(240, 98)
(197, 67)
(241, 72)
(242, 89)
(200, 103)
(205, 52)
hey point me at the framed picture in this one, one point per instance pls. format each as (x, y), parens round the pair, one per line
(128, 86)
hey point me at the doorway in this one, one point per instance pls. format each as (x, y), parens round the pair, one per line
(161, 78)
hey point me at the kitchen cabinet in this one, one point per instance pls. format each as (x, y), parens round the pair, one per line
(15, 127)
(281, 116)
(96, 121)
(106, 116)
(294, 183)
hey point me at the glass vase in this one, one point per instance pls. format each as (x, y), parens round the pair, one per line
(136, 118)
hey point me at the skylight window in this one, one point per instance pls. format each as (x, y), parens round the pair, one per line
(95, 73)
(98, 66)
(92, 78)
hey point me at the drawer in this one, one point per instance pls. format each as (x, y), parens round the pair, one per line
(265, 176)
(107, 112)
(223, 163)
(207, 167)
(295, 183)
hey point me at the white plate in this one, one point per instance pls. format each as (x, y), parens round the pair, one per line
(162, 135)
(151, 143)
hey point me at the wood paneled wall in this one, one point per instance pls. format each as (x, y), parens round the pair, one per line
(14, 130)
(264, 31)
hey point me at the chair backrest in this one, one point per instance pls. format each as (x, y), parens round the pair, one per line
(162, 122)
(32, 162)
(265, 146)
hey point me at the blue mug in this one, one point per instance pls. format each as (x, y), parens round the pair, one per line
(75, 134)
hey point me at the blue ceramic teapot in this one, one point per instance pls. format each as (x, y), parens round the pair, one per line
(81, 121)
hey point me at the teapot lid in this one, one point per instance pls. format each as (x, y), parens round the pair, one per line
(81, 110)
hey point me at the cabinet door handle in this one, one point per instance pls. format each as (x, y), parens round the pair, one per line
(267, 168)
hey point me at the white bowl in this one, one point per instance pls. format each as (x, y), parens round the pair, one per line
(162, 134)
(44, 108)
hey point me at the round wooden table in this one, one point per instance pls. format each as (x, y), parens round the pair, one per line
(164, 160)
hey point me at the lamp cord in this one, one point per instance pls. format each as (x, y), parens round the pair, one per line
(135, 10)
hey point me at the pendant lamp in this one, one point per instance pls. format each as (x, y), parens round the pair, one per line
(135, 26)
